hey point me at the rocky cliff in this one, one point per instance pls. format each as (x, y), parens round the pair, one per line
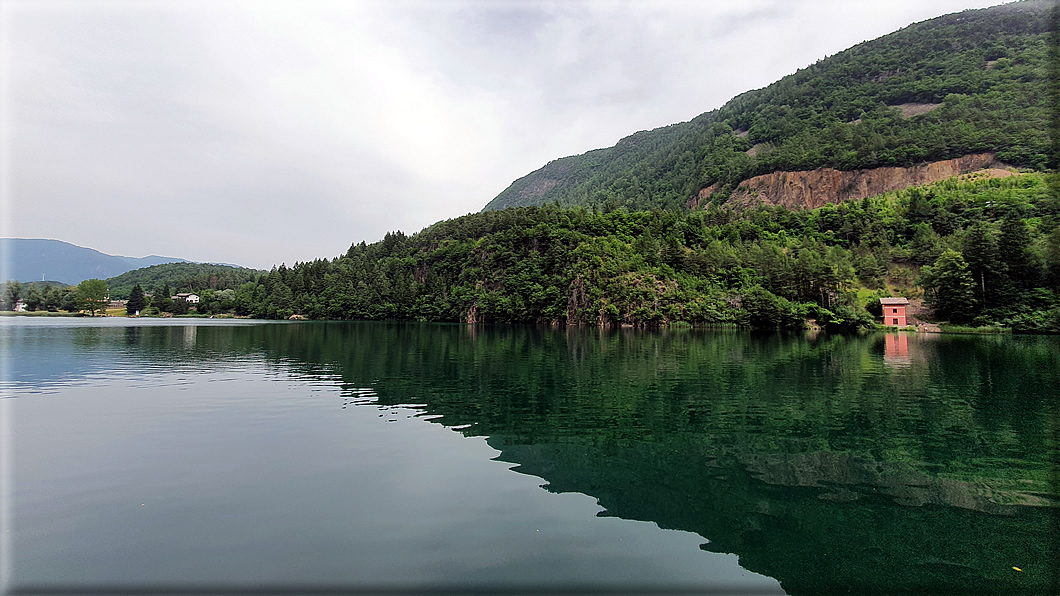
(814, 188)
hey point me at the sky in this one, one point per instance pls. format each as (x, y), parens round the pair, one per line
(259, 133)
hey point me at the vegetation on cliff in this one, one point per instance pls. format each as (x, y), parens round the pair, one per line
(768, 267)
(965, 83)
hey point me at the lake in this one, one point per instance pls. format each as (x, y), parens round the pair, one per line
(202, 455)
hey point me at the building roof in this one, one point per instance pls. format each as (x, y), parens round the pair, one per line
(893, 301)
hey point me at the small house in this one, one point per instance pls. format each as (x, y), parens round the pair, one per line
(187, 297)
(894, 311)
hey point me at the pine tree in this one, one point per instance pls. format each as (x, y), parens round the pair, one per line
(1021, 264)
(136, 302)
(954, 288)
(1052, 258)
(68, 299)
(980, 251)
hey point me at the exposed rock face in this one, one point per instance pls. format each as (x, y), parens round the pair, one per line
(815, 188)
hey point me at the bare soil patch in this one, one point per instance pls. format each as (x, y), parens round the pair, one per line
(989, 173)
(915, 109)
(753, 151)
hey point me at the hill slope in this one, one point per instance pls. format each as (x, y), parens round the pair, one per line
(181, 277)
(974, 82)
(981, 250)
(56, 260)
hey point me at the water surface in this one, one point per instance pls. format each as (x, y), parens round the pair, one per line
(411, 457)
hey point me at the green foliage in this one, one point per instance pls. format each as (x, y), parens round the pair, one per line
(1052, 259)
(137, 301)
(952, 289)
(38, 296)
(980, 250)
(33, 298)
(181, 277)
(984, 72)
(768, 267)
(68, 300)
(178, 307)
(12, 292)
(93, 296)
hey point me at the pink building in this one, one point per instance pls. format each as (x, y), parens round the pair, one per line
(894, 311)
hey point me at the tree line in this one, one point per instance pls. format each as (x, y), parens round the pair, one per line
(981, 251)
(181, 277)
(90, 295)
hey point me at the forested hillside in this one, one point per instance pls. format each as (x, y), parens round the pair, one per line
(987, 251)
(971, 82)
(181, 277)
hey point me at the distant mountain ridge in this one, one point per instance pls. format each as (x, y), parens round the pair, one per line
(959, 85)
(31, 259)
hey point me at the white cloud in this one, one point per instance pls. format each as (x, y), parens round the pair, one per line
(261, 132)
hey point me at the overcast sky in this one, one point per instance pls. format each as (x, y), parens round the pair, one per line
(258, 133)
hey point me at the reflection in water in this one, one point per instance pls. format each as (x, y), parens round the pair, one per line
(820, 461)
(896, 348)
(189, 337)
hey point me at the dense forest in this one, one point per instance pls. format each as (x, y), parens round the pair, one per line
(977, 250)
(971, 82)
(981, 251)
(181, 277)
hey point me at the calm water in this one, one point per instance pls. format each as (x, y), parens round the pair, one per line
(235, 455)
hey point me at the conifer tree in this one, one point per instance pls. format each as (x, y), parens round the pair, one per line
(1052, 258)
(980, 251)
(136, 302)
(1014, 243)
(954, 296)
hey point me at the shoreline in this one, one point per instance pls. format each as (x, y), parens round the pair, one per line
(923, 328)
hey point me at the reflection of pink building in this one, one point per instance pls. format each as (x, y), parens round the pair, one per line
(896, 347)
(894, 311)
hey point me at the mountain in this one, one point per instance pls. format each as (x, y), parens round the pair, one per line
(967, 85)
(55, 260)
(975, 249)
(181, 277)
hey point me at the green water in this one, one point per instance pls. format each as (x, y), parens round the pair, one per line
(831, 463)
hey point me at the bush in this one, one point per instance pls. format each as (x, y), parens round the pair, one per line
(766, 310)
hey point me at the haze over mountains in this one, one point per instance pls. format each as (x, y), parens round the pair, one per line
(32, 259)
(971, 84)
